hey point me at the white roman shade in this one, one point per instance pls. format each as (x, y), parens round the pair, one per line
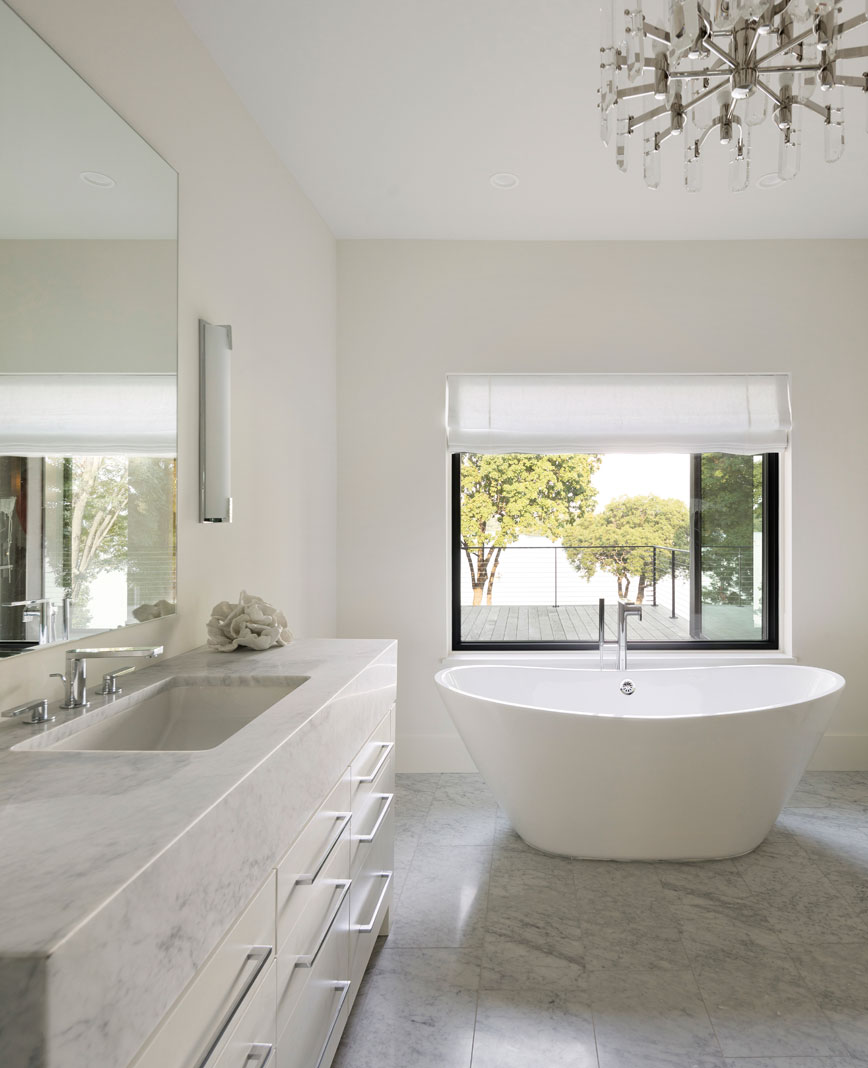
(598, 413)
(88, 415)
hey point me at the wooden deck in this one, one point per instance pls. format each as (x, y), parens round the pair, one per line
(566, 623)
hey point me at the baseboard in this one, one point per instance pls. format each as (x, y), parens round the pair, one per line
(431, 753)
(841, 752)
(446, 752)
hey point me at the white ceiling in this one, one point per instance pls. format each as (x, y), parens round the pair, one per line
(393, 115)
(53, 127)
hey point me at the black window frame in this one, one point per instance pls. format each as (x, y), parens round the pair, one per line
(771, 580)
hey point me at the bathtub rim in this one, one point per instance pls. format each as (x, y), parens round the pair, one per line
(838, 680)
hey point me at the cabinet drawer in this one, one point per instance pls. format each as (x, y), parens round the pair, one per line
(373, 782)
(370, 897)
(302, 991)
(209, 1009)
(251, 1044)
(307, 877)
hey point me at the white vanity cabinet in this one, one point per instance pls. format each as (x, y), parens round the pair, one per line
(279, 987)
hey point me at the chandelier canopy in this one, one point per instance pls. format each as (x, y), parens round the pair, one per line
(703, 74)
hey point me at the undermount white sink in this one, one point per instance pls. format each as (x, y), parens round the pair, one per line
(182, 714)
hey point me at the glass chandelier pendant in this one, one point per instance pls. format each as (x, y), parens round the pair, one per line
(713, 74)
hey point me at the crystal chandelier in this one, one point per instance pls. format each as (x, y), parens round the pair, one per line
(705, 75)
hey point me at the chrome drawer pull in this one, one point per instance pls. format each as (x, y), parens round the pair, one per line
(387, 803)
(309, 959)
(344, 988)
(259, 954)
(259, 1055)
(342, 818)
(366, 928)
(387, 748)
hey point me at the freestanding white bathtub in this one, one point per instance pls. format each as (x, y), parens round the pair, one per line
(695, 764)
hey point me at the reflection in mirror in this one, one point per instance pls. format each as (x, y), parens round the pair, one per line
(88, 326)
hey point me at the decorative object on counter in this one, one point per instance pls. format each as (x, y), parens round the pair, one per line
(215, 349)
(154, 611)
(251, 622)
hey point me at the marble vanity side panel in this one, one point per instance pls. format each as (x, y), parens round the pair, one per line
(112, 981)
(22, 1011)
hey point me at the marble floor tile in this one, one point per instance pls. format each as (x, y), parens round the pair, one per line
(516, 962)
(532, 1028)
(451, 825)
(413, 1010)
(414, 794)
(654, 1013)
(464, 788)
(837, 975)
(444, 899)
(790, 1062)
(761, 1006)
(830, 789)
(645, 1059)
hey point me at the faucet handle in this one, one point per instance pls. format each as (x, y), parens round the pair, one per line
(110, 682)
(57, 675)
(38, 712)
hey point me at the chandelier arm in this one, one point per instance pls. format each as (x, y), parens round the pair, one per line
(798, 68)
(786, 46)
(850, 24)
(859, 52)
(688, 75)
(770, 93)
(698, 99)
(855, 82)
(649, 116)
(716, 50)
(780, 8)
(811, 106)
(656, 34)
(634, 90)
(664, 135)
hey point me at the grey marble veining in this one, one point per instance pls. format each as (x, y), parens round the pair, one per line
(756, 962)
(121, 871)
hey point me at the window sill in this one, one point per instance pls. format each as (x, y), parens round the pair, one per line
(651, 658)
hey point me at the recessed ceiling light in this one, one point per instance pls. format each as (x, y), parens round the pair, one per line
(504, 180)
(101, 181)
(769, 181)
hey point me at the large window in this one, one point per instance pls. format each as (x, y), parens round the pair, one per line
(538, 540)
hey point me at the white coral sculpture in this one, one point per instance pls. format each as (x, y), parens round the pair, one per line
(252, 622)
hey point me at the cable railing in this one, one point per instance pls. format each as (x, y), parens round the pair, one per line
(659, 574)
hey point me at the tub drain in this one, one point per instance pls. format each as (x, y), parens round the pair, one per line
(627, 687)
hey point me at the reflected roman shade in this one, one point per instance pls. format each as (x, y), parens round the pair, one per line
(88, 415)
(598, 413)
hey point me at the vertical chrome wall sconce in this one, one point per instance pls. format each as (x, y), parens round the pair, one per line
(215, 348)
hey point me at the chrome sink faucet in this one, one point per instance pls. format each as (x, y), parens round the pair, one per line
(624, 611)
(75, 676)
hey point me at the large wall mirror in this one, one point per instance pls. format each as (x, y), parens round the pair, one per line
(88, 357)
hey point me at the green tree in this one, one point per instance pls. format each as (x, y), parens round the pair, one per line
(96, 494)
(619, 539)
(505, 496)
(732, 509)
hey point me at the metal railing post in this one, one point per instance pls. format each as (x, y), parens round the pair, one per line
(654, 575)
(556, 577)
(673, 585)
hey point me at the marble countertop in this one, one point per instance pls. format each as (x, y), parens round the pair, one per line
(77, 828)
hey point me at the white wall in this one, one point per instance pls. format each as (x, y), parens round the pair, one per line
(253, 253)
(409, 312)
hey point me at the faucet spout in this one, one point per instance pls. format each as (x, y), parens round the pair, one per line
(76, 669)
(625, 610)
